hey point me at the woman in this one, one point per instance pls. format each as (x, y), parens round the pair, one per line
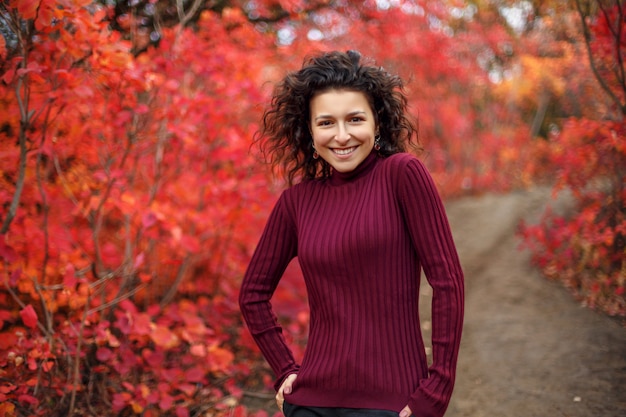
(363, 219)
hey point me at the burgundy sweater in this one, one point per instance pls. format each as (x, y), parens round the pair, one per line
(361, 239)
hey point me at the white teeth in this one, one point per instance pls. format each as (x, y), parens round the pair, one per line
(343, 151)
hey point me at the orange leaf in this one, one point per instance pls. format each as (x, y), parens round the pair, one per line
(82, 3)
(7, 409)
(219, 358)
(47, 365)
(163, 337)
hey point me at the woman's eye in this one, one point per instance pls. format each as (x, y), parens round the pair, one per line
(324, 123)
(356, 119)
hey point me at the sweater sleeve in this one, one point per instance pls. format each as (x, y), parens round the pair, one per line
(427, 222)
(276, 248)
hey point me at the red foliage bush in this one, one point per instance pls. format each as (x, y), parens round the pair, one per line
(130, 201)
(587, 248)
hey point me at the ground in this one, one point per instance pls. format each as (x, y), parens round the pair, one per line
(528, 348)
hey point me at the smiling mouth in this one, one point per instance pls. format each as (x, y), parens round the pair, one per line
(344, 151)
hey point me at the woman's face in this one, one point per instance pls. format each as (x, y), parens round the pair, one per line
(343, 128)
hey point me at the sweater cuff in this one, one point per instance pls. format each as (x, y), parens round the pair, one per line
(281, 378)
(424, 405)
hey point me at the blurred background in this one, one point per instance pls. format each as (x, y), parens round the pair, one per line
(131, 198)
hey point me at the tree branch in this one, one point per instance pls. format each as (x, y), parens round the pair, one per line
(594, 69)
(21, 176)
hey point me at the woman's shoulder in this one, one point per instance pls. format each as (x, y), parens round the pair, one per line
(406, 170)
(401, 158)
(304, 185)
(402, 161)
(300, 190)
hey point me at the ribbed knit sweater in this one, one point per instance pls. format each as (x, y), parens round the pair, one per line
(361, 239)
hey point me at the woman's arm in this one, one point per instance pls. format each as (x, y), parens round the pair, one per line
(276, 248)
(430, 232)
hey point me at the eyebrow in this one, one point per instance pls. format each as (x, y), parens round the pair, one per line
(353, 113)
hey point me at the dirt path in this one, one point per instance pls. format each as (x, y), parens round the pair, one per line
(528, 348)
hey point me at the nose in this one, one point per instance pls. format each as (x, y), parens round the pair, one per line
(343, 136)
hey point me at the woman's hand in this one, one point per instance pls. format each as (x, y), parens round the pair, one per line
(285, 388)
(406, 412)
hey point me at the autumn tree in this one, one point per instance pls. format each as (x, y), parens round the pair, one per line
(587, 249)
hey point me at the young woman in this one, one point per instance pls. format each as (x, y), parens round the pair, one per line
(363, 218)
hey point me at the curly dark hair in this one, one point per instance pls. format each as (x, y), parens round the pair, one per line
(285, 139)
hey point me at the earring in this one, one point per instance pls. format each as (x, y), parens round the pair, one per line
(315, 154)
(377, 142)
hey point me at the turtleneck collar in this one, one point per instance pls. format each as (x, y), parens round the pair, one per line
(338, 178)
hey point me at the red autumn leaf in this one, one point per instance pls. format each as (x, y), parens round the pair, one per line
(99, 14)
(15, 275)
(27, 8)
(29, 316)
(239, 411)
(5, 389)
(8, 339)
(190, 243)
(170, 375)
(47, 365)
(149, 219)
(182, 411)
(45, 16)
(69, 278)
(139, 260)
(195, 374)
(6, 251)
(234, 390)
(153, 397)
(167, 401)
(145, 277)
(28, 399)
(153, 359)
(121, 400)
(104, 354)
(3, 48)
(198, 350)
(142, 324)
(187, 389)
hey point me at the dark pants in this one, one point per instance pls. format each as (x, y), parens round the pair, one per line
(292, 410)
